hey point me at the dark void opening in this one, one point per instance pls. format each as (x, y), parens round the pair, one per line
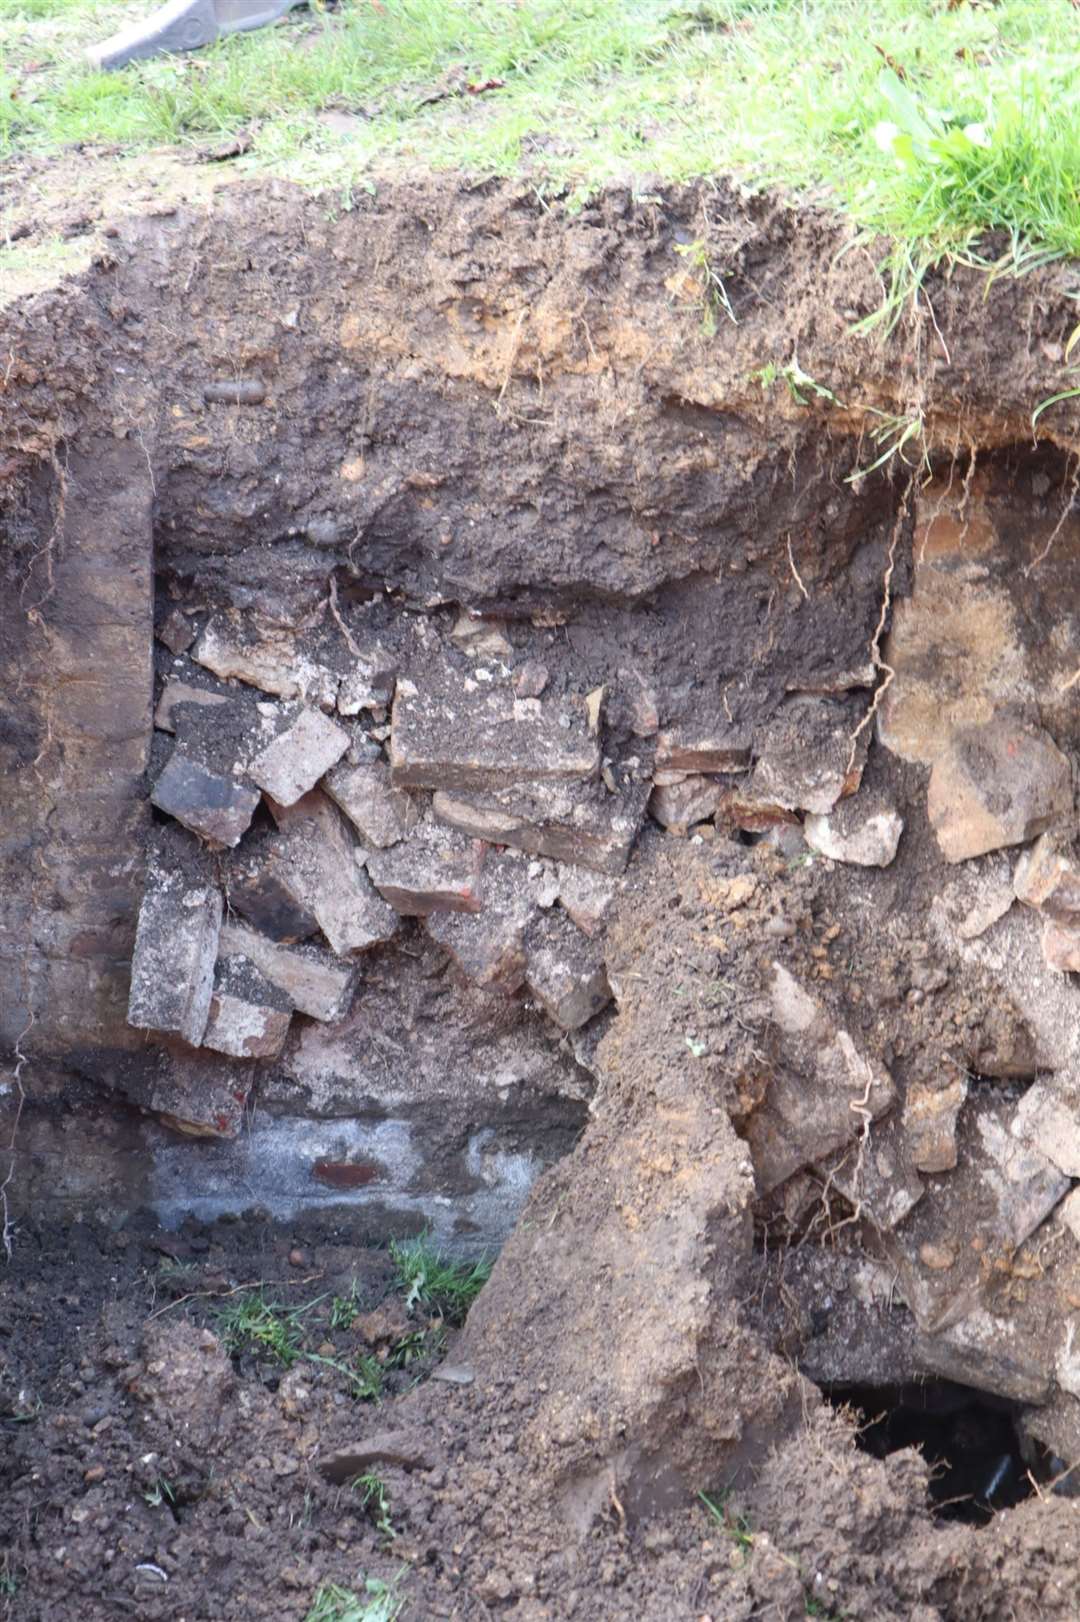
(969, 1438)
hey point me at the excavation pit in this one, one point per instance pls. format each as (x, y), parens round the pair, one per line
(483, 767)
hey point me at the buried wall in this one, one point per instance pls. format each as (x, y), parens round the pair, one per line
(396, 593)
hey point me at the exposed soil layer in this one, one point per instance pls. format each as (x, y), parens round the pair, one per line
(797, 1098)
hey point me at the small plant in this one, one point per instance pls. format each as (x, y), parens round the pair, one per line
(800, 385)
(375, 1501)
(364, 1377)
(343, 1309)
(715, 299)
(334, 1604)
(734, 1526)
(254, 1322)
(411, 1348)
(429, 1279)
(894, 434)
(161, 1493)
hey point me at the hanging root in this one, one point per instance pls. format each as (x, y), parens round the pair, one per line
(7, 1231)
(883, 616)
(1072, 480)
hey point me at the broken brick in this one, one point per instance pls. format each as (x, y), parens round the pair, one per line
(704, 747)
(321, 869)
(864, 830)
(809, 756)
(300, 754)
(580, 823)
(213, 805)
(176, 632)
(677, 806)
(316, 982)
(249, 1017)
(586, 897)
(176, 693)
(369, 682)
(176, 947)
(434, 870)
(565, 971)
(930, 1116)
(1047, 878)
(489, 946)
(996, 785)
(275, 662)
(256, 887)
(381, 814)
(460, 734)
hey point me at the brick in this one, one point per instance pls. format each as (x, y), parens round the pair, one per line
(213, 805)
(249, 1017)
(257, 887)
(677, 806)
(586, 897)
(565, 971)
(316, 982)
(176, 947)
(275, 663)
(580, 823)
(300, 754)
(489, 945)
(434, 870)
(381, 814)
(709, 746)
(322, 871)
(459, 733)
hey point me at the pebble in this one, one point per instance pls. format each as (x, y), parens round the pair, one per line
(95, 1473)
(939, 1258)
(297, 1258)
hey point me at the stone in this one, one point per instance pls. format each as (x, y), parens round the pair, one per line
(707, 746)
(880, 1184)
(369, 682)
(1048, 1119)
(249, 1017)
(809, 756)
(585, 896)
(293, 763)
(381, 814)
(997, 785)
(583, 824)
(863, 830)
(407, 1450)
(480, 638)
(565, 971)
(1025, 1182)
(930, 1116)
(176, 632)
(176, 947)
(982, 1350)
(175, 693)
(322, 871)
(1061, 948)
(273, 661)
(1048, 878)
(316, 982)
(459, 734)
(434, 870)
(489, 946)
(216, 807)
(822, 1094)
(531, 679)
(677, 806)
(641, 702)
(1068, 1212)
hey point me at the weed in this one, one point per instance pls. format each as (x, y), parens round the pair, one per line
(333, 1604)
(364, 1378)
(445, 1287)
(375, 1501)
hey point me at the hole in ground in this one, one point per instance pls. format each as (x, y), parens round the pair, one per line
(970, 1439)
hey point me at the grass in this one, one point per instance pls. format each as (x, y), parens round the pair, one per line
(383, 1603)
(375, 1501)
(934, 121)
(441, 1286)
